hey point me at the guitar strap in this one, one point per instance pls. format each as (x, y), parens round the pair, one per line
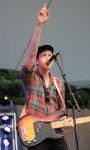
(24, 107)
(23, 113)
(58, 90)
(64, 106)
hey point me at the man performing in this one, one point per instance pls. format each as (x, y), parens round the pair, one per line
(42, 96)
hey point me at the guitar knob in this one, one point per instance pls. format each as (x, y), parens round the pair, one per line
(29, 142)
(34, 140)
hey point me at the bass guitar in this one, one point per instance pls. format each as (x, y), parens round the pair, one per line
(32, 130)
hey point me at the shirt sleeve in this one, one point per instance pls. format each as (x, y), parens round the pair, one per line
(26, 75)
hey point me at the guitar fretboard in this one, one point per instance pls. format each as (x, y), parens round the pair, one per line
(60, 124)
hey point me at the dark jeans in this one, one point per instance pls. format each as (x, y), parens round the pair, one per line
(57, 144)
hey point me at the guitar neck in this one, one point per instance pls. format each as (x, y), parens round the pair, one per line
(59, 124)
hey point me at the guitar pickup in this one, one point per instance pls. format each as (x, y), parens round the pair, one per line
(22, 131)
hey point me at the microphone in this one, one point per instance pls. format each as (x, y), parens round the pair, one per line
(52, 58)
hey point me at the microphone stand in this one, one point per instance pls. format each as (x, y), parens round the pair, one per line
(74, 103)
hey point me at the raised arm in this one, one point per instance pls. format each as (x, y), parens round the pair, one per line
(34, 43)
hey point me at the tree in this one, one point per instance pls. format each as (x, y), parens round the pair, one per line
(82, 96)
(11, 85)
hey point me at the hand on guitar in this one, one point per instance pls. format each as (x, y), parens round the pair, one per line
(67, 122)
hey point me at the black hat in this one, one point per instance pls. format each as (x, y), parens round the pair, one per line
(43, 48)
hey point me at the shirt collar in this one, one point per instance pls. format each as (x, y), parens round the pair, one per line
(50, 76)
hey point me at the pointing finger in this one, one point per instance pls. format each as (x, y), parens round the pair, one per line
(44, 5)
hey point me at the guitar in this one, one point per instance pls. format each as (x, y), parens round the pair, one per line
(32, 130)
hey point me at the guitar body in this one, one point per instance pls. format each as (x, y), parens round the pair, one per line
(33, 130)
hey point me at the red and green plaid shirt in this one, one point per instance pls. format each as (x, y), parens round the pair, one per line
(34, 88)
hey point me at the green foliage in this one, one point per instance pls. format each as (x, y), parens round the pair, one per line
(82, 96)
(11, 85)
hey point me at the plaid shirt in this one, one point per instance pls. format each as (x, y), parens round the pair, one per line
(34, 88)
